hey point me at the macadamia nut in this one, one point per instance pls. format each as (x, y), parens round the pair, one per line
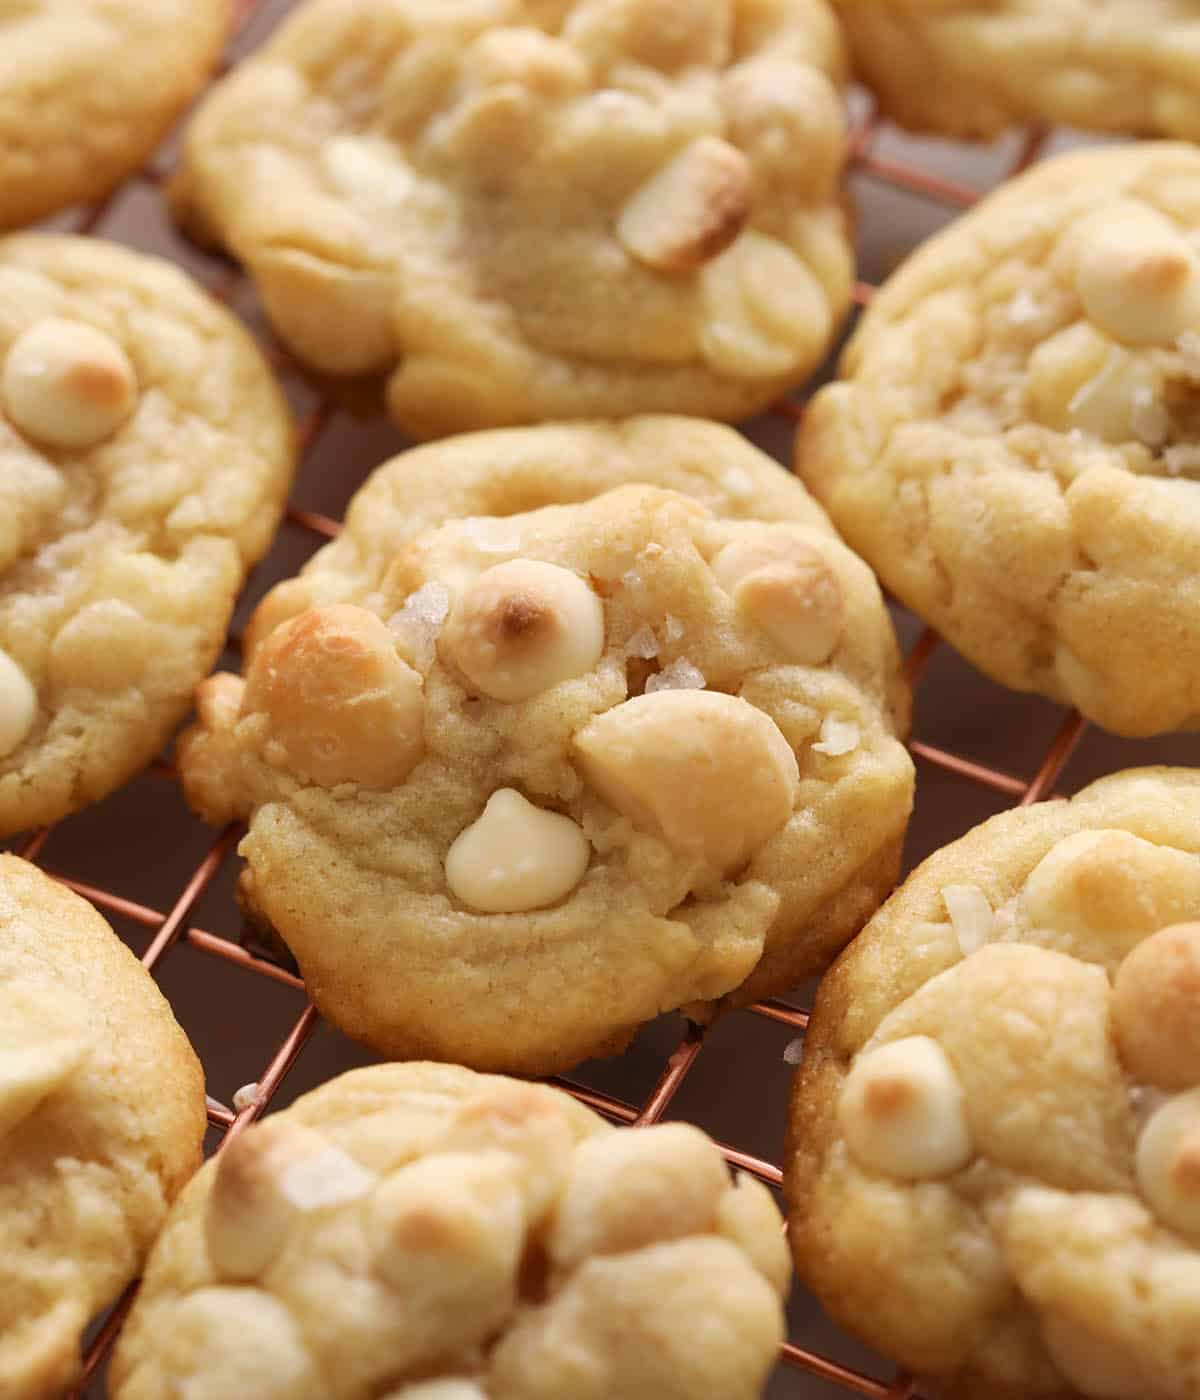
(708, 772)
(523, 627)
(67, 384)
(516, 857)
(902, 1111)
(18, 705)
(344, 707)
(42, 1039)
(1168, 1163)
(783, 585)
(1137, 276)
(1156, 1008)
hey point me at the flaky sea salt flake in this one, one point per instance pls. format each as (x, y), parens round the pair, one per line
(679, 675)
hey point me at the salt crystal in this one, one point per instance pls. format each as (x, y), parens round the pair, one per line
(1023, 308)
(679, 675)
(971, 916)
(793, 1051)
(672, 628)
(419, 621)
(491, 536)
(643, 643)
(838, 736)
(245, 1096)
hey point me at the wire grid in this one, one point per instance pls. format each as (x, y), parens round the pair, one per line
(173, 925)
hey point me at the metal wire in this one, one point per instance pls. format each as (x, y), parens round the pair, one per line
(171, 926)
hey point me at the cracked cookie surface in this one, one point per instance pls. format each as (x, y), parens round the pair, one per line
(89, 88)
(993, 1171)
(388, 173)
(419, 1232)
(975, 67)
(145, 451)
(101, 1121)
(545, 751)
(1014, 445)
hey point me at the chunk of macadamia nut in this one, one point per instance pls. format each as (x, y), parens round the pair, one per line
(1136, 275)
(67, 384)
(516, 857)
(18, 705)
(1168, 1163)
(43, 1037)
(266, 1178)
(1156, 1008)
(343, 706)
(784, 585)
(902, 1111)
(690, 210)
(522, 627)
(709, 772)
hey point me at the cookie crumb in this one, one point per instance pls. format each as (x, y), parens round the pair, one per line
(679, 675)
(793, 1051)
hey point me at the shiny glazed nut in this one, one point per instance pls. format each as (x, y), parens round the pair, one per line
(18, 705)
(344, 707)
(1137, 276)
(523, 627)
(265, 1179)
(516, 857)
(902, 1113)
(66, 384)
(709, 772)
(1168, 1163)
(784, 586)
(689, 210)
(1156, 1008)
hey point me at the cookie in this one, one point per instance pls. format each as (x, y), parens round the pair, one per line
(419, 1232)
(145, 452)
(1014, 445)
(101, 1119)
(581, 752)
(90, 88)
(522, 210)
(993, 1164)
(975, 67)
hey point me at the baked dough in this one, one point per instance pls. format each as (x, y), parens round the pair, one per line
(145, 452)
(101, 1121)
(90, 88)
(419, 1232)
(527, 759)
(1014, 444)
(975, 67)
(522, 210)
(993, 1171)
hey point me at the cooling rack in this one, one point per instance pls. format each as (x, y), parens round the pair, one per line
(165, 882)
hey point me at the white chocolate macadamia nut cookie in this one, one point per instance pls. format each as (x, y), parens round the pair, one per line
(101, 1121)
(993, 1167)
(514, 211)
(1015, 446)
(145, 453)
(90, 88)
(420, 1232)
(974, 67)
(549, 751)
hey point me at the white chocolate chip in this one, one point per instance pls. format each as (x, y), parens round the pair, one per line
(1168, 1163)
(902, 1112)
(516, 857)
(67, 384)
(1137, 276)
(838, 737)
(971, 915)
(710, 773)
(689, 210)
(783, 585)
(366, 169)
(524, 626)
(18, 705)
(448, 1388)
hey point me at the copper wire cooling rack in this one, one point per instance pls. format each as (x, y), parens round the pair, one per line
(973, 742)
